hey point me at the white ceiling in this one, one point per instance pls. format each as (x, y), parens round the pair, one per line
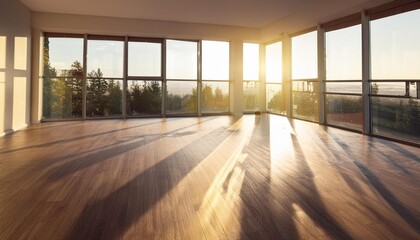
(246, 13)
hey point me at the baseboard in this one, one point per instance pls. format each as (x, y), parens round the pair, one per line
(9, 131)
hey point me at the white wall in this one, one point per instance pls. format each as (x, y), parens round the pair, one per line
(15, 66)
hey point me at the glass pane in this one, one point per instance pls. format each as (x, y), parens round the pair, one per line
(106, 57)
(251, 61)
(62, 98)
(388, 88)
(305, 86)
(395, 48)
(305, 56)
(275, 98)
(103, 97)
(306, 105)
(144, 59)
(215, 97)
(181, 97)
(345, 87)
(273, 63)
(344, 111)
(414, 89)
(344, 54)
(215, 60)
(181, 59)
(64, 57)
(144, 98)
(250, 96)
(396, 118)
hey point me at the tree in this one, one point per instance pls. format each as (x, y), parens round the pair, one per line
(60, 99)
(49, 73)
(62, 95)
(135, 99)
(413, 117)
(218, 94)
(275, 101)
(97, 99)
(156, 97)
(189, 101)
(75, 83)
(221, 103)
(145, 98)
(207, 99)
(114, 97)
(174, 102)
(250, 101)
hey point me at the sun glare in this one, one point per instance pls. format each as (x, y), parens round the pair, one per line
(273, 62)
(305, 56)
(215, 60)
(251, 61)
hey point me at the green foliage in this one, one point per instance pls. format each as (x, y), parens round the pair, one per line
(48, 73)
(413, 117)
(397, 115)
(276, 103)
(103, 96)
(144, 99)
(250, 102)
(250, 96)
(96, 99)
(75, 83)
(186, 103)
(114, 98)
(62, 94)
(344, 104)
(60, 99)
(306, 105)
(174, 102)
(213, 101)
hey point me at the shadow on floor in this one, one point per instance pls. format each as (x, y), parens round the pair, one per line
(111, 216)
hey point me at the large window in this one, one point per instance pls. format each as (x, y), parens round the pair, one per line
(133, 85)
(182, 77)
(275, 98)
(144, 81)
(62, 77)
(395, 83)
(104, 77)
(343, 97)
(251, 77)
(215, 77)
(305, 86)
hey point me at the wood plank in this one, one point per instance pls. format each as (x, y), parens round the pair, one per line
(255, 177)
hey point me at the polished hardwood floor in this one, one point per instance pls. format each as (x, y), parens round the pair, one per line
(255, 177)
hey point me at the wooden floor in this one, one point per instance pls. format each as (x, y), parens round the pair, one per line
(256, 177)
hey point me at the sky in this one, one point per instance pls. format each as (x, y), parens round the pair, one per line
(215, 60)
(344, 54)
(181, 59)
(305, 56)
(395, 43)
(144, 59)
(273, 62)
(251, 61)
